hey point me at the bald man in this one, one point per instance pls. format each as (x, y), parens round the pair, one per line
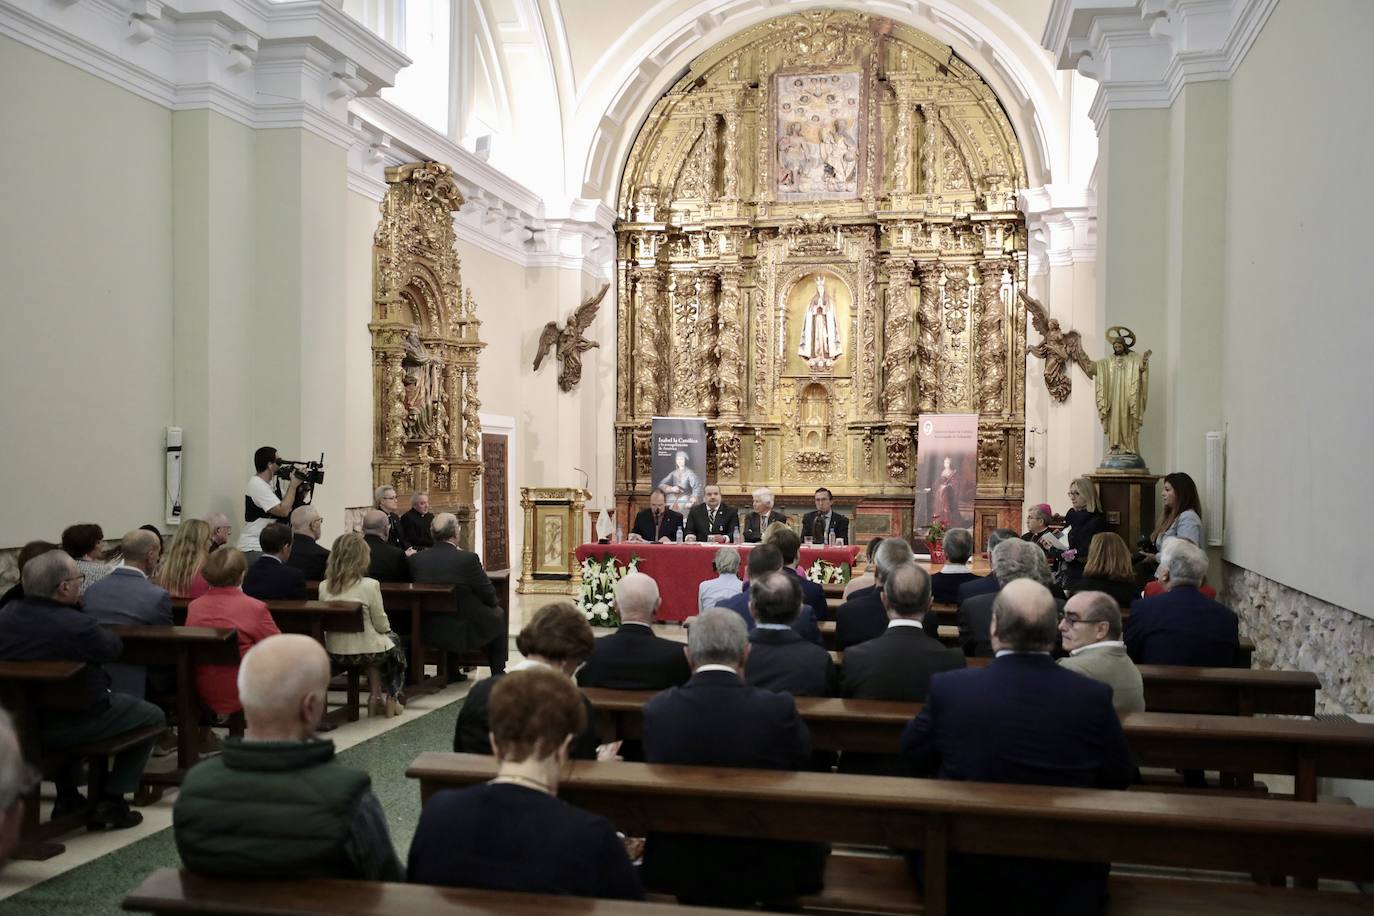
(1022, 719)
(634, 657)
(276, 804)
(306, 553)
(127, 596)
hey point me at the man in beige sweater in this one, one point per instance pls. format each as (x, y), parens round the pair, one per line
(1091, 628)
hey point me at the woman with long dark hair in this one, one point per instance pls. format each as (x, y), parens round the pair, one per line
(1181, 518)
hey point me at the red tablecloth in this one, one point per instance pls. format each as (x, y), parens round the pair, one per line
(680, 568)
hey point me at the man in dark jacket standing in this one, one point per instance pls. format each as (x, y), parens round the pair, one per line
(479, 621)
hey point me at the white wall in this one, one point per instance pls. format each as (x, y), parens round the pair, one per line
(86, 262)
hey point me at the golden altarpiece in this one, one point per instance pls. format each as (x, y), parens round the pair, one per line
(426, 433)
(818, 242)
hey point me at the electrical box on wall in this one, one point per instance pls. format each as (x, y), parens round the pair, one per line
(173, 487)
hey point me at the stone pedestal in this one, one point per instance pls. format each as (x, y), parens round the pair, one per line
(1128, 500)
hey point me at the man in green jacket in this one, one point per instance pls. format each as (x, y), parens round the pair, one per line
(1091, 629)
(276, 804)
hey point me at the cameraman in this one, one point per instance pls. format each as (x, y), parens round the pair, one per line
(261, 504)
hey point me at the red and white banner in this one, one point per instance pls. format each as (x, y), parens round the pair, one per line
(946, 469)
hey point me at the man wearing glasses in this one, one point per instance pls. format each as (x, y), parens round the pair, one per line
(1091, 632)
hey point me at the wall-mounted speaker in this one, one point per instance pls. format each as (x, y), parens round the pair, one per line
(1214, 512)
(173, 490)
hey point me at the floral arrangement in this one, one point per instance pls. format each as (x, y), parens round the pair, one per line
(825, 573)
(599, 577)
(935, 537)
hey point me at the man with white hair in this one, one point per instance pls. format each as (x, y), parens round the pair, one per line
(127, 596)
(384, 499)
(306, 553)
(757, 522)
(1012, 559)
(220, 530)
(726, 585)
(276, 803)
(1182, 626)
(417, 525)
(479, 621)
(634, 657)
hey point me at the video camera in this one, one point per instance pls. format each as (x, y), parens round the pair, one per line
(1143, 545)
(308, 472)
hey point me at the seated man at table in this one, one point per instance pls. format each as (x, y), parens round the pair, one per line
(479, 621)
(634, 657)
(823, 523)
(271, 577)
(779, 659)
(765, 559)
(1182, 626)
(986, 585)
(789, 545)
(276, 803)
(712, 517)
(717, 719)
(388, 562)
(126, 596)
(944, 585)
(726, 584)
(47, 624)
(1022, 719)
(1091, 633)
(658, 523)
(306, 553)
(1012, 559)
(756, 522)
(864, 616)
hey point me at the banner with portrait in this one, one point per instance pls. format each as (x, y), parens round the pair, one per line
(679, 460)
(946, 469)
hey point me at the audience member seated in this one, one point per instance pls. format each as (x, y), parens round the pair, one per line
(866, 579)
(126, 596)
(779, 659)
(557, 637)
(1182, 626)
(48, 625)
(788, 543)
(712, 518)
(377, 649)
(899, 664)
(1038, 523)
(634, 657)
(86, 545)
(26, 553)
(1108, 570)
(181, 568)
(388, 563)
(765, 559)
(17, 779)
(717, 719)
(1181, 518)
(725, 585)
(276, 804)
(1012, 559)
(220, 530)
(863, 616)
(1090, 631)
(225, 605)
(986, 585)
(1022, 719)
(272, 577)
(417, 525)
(1084, 520)
(657, 523)
(823, 524)
(513, 834)
(757, 521)
(958, 546)
(306, 553)
(479, 621)
(384, 500)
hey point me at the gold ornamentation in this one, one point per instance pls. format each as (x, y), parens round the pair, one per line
(992, 347)
(727, 451)
(897, 445)
(928, 341)
(897, 325)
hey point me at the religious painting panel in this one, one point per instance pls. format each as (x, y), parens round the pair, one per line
(550, 545)
(817, 127)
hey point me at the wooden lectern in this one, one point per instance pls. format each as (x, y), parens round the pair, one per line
(553, 532)
(1128, 501)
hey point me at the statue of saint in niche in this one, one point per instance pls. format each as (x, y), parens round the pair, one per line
(423, 383)
(820, 334)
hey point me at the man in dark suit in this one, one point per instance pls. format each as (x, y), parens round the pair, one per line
(417, 525)
(899, 664)
(634, 657)
(985, 585)
(779, 659)
(864, 616)
(1012, 559)
(821, 524)
(756, 522)
(306, 553)
(1022, 719)
(711, 517)
(384, 500)
(789, 545)
(1182, 626)
(656, 524)
(126, 596)
(944, 585)
(271, 577)
(764, 560)
(719, 720)
(388, 563)
(479, 621)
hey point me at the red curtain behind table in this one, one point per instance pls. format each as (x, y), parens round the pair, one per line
(680, 568)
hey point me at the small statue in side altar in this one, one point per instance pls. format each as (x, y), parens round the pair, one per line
(1123, 384)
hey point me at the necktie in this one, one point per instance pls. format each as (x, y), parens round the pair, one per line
(819, 534)
(658, 525)
(711, 519)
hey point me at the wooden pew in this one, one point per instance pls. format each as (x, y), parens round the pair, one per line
(1307, 750)
(1243, 835)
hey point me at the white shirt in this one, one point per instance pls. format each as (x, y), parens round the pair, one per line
(716, 668)
(772, 626)
(260, 492)
(1001, 652)
(638, 623)
(953, 568)
(903, 622)
(1104, 644)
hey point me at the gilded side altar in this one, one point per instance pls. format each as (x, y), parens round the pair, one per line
(817, 242)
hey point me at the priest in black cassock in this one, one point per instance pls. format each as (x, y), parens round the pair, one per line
(711, 517)
(656, 523)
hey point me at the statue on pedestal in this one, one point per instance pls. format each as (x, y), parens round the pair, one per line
(1123, 383)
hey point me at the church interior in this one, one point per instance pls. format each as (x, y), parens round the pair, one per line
(504, 262)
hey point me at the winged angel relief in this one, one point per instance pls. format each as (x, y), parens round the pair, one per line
(1057, 349)
(569, 342)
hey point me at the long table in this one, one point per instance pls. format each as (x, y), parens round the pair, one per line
(680, 568)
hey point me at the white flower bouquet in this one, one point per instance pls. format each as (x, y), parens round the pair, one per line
(597, 598)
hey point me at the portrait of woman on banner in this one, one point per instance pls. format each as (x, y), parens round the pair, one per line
(682, 485)
(947, 495)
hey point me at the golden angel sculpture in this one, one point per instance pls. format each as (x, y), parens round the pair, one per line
(1057, 349)
(569, 341)
(1123, 383)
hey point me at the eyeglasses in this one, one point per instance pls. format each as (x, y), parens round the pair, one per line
(79, 577)
(1074, 620)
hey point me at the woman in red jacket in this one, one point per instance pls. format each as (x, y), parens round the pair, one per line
(225, 605)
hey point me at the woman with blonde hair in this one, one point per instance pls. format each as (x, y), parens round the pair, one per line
(1108, 570)
(377, 648)
(181, 569)
(1082, 522)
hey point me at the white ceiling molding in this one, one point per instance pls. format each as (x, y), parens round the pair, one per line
(1143, 52)
(1061, 224)
(500, 215)
(261, 63)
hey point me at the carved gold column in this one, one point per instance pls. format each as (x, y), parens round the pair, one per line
(708, 135)
(730, 344)
(991, 335)
(708, 339)
(901, 155)
(930, 155)
(954, 391)
(732, 158)
(648, 364)
(897, 345)
(928, 337)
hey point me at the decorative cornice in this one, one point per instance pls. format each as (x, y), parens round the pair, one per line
(1062, 226)
(263, 64)
(1143, 52)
